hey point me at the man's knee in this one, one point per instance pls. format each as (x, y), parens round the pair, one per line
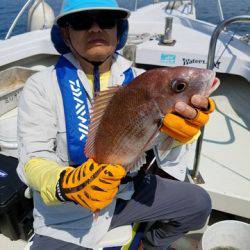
(202, 207)
(203, 201)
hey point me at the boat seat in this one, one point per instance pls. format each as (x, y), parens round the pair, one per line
(118, 236)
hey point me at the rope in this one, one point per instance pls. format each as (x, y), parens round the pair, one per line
(230, 40)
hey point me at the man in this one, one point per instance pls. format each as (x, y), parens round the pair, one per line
(52, 127)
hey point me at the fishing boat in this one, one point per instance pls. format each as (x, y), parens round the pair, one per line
(156, 38)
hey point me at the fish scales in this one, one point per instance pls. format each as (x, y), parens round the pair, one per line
(130, 130)
(125, 121)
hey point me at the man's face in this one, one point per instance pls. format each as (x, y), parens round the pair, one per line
(94, 43)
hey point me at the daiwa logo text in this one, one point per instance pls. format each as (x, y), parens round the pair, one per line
(80, 108)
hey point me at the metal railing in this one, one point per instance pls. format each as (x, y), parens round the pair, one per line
(13, 25)
(136, 5)
(210, 65)
(220, 12)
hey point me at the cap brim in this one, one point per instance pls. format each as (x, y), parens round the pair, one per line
(119, 12)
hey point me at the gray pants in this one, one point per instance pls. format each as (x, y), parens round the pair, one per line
(175, 207)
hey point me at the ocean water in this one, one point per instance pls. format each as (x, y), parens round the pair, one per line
(206, 10)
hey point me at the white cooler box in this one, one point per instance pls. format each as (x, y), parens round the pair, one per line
(8, 133)
(12, 81)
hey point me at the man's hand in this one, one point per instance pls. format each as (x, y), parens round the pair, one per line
(186, 111)
(90, 185)
(184, 126)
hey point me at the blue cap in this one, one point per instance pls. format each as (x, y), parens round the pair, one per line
(74, 6)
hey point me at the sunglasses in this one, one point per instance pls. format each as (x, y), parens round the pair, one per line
(86, 21)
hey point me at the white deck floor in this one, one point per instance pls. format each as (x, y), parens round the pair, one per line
(7, 244)
(225, 164)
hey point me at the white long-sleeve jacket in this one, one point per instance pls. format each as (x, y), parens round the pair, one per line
(42, 133)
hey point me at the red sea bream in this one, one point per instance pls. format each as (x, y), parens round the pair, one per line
(125, 121)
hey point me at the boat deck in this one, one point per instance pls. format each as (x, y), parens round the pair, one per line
(226, 149)
(192, 43)
(7, 244)
(225, 164)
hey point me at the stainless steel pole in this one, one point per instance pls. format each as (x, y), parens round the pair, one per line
(192, 7)
(17, 18)
(216, 33)
(220, 10)
(210, 65)
(135, 9)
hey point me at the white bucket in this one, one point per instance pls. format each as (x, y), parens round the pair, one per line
(226, 234)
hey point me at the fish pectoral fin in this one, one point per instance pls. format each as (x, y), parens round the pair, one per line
(137, 163)
(164, 144)
(100, 103)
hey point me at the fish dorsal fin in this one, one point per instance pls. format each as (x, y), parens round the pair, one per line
(100, 103)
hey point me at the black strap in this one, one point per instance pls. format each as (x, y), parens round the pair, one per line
(96, 79)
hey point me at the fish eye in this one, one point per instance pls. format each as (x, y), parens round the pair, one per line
(178, 85)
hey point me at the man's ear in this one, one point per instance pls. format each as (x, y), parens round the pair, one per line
(64, 31)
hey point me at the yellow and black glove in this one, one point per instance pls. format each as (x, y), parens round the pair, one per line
(183, 130)
(90, 185)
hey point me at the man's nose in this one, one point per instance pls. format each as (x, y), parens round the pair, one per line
(95, 27)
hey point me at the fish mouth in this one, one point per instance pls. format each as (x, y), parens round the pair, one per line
(214, 84)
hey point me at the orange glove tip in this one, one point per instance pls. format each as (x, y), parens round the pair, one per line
(211, 106)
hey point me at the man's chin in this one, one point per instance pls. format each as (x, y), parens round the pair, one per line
(99, 55)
